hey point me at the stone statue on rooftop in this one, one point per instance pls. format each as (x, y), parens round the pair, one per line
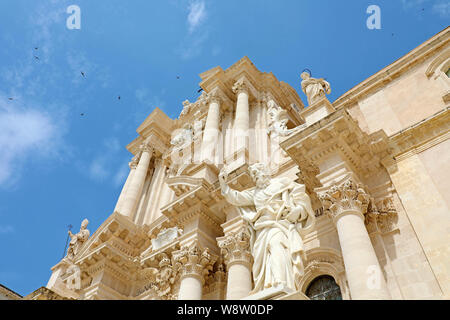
(315, 89)
(77, 240)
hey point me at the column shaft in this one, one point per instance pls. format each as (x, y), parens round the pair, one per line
(124, 189)
(190, 288)
(242, 112)
(211, 131)
(239, 282)
(364, 275)
(135, 188)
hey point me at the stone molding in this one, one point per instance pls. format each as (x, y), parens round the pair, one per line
(422, 135)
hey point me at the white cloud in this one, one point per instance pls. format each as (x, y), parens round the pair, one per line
(26, 133)
(97, 169)
(197, 14)
(103, 167)
(121, 174)
(442, 9)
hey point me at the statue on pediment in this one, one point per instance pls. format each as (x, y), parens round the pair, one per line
(315, 89)
(278, 212)
(77, 240)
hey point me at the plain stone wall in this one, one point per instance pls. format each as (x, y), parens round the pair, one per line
(403, 102)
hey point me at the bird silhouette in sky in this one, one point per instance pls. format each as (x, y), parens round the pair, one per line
(118, 98)
(178, 77)
(10, 98)
(200, 90)
(36, 57)
(81, 114)
(82, 73)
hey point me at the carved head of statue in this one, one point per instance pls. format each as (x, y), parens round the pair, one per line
(305, 75)
(259, 175)
(84, 224)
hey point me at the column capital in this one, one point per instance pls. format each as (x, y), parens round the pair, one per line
(216, 95)
(146, 147)
(348, 196)
(192, 261)
(241, 86)
(235, 247)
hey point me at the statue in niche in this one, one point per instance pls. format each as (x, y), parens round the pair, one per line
(186, 108)
(77, 240)
(315, 89)
(278, 121)
(183, 137)
(279, 212)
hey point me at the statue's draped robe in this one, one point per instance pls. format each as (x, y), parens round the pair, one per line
(315, 88)
(276, 243)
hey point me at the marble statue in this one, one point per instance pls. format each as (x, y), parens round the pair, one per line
(315, 89)
(279, 212)
(278, 121)
(183, 137)
(186, 108)
(77, 240)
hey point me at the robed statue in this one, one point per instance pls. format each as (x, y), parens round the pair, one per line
(315, 89)
(77, 240)
(278, 212)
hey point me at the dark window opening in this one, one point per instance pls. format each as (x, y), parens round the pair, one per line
(324, 288)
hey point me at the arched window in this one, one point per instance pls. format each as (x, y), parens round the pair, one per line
(324, 288)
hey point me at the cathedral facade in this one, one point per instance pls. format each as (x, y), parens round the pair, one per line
(251, 194)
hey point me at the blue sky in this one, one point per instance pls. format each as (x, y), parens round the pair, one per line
(58, 167)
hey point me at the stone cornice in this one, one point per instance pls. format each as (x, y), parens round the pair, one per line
(394, 70)
(9, 293)
(422, 135)
(44, 293)
(283, 93)
(337, 133)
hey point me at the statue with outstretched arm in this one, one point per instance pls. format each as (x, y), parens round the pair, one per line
(278, 212)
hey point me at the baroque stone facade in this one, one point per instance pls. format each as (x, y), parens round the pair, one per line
(358, 190)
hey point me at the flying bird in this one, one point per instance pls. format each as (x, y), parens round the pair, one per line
(10, 98)
(36, 48)
(82, 73)
(81, 114)
(200, 90)
(118, 97)
(37, 58)
(178, 77)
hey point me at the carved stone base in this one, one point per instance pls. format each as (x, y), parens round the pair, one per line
(277, 293)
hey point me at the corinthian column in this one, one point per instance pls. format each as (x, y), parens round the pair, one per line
(241, 122)
(211, 131)
(236, 251)
(132, 165)
(346, 204)
(193, 265)
(135, 189)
